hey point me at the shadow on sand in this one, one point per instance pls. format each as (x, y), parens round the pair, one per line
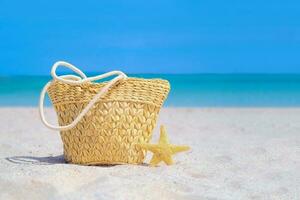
(49, 160)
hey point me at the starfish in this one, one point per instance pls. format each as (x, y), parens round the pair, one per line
(163, 151)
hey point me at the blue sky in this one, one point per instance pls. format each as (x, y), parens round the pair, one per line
(151, 36)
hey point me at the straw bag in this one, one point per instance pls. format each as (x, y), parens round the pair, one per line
(101, 123)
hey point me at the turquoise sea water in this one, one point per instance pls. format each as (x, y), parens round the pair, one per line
(203, 90)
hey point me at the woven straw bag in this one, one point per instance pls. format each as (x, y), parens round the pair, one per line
(101, 123)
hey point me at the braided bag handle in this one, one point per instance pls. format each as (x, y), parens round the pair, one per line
(76, 80)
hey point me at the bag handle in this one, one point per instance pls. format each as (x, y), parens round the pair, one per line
(76, 80)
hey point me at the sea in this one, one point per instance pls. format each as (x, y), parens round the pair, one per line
(187, 90)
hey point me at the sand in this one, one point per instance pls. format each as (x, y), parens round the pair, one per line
(250, 153)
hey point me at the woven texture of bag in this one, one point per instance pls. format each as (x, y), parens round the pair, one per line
(109, 132)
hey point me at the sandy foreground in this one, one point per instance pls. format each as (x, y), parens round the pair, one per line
(236, 154)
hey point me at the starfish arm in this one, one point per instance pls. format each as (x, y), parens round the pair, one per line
(176, 149)
(168, 159)
(155, 160)
(150, 147)
(163, 139)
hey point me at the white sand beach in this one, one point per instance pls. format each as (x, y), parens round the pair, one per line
(237, 153)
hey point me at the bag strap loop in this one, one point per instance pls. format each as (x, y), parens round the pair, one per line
(76, 80)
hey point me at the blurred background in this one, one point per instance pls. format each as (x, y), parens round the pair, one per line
(214, 53)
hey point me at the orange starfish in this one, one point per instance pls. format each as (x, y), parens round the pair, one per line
(163, 151)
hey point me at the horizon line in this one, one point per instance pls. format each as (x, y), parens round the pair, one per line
(145, 73)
